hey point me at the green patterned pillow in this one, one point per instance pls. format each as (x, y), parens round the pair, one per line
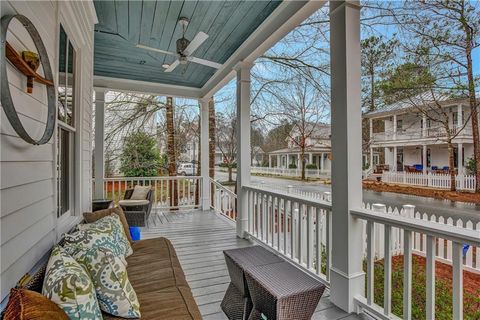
(111, 224)
(68, 285)
(109, 276)
(104, 233)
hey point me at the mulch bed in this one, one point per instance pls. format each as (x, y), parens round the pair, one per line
(423, 192)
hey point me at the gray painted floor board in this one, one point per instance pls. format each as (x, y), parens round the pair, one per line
(199, 239)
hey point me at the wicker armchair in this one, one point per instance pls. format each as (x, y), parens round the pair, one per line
(137, 215)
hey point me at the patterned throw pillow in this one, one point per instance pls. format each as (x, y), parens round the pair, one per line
(70, 287)
(140, 192)
(106, 233)
(109, 276)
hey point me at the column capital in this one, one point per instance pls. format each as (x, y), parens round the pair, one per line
(205, 100)
(335, 6)
(243, 65)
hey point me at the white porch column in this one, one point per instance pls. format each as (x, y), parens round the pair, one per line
(459, 116)
(424, 159)
(299, 162)
(371, 130)
(394, 127)
(279, 161)
(269, 161)
(424, 125)
(460, 158)
(322, 161)
(243, 143)
(310, 158)
(288, 159)
(394, 165)
(347, 277)
(99, 152)
(204, 153)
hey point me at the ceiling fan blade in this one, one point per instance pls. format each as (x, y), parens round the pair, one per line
(172, 66)
(205, 62)
(195, 43)
(154, 49)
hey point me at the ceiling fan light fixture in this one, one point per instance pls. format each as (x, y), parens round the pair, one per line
(165, 65)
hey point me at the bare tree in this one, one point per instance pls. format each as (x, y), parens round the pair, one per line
(227, 139)
(302, 105)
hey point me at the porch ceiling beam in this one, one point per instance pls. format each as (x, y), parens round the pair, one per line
(284, 19)
(125, 85)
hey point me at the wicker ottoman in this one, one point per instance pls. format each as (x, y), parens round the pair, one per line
(237, 304)
(281, 291)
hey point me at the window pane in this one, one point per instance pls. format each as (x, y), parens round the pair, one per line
(70, 85)
(63, 172)
(62, 58)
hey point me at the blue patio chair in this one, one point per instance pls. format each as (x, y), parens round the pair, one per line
(434, 167)
(446, 168)
(418, 167)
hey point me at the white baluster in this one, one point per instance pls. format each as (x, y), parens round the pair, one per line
(407, 274)
(430, 269)
(457, 281)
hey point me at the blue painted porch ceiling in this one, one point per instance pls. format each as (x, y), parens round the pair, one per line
(124, 24)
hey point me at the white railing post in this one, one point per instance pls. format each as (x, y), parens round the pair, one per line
(243, 143)
(347, 279)
(204, 163)
(99, 152)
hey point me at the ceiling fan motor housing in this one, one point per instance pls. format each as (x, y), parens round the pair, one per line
(182, 44)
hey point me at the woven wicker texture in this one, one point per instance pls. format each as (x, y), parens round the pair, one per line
(237, 304)
(281, 291)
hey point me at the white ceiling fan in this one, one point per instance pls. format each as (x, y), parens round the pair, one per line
(185, 48)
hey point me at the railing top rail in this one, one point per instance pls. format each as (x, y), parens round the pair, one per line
(151, 178)
(221, 186)
(294, 198)
(444, 231)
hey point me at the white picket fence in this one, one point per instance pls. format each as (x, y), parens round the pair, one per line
(471, 262)
(434, 180)
(284, 172)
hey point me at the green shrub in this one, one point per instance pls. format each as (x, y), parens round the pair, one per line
(292, 166)
(311, 166)
(471, 166)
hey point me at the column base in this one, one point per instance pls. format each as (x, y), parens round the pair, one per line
(343, 288)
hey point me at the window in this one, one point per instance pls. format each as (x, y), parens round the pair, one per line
(454, 118)
(399, 124)
(66, 125)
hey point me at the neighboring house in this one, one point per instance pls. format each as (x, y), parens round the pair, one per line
(317, 152)
(258, 156)
(412, 141)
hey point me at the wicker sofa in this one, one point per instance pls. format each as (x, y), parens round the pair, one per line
(157, 278)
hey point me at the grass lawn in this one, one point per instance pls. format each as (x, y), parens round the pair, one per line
(443, 289)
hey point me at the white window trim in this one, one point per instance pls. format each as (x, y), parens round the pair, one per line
(68, 220)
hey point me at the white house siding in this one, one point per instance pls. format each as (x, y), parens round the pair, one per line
(29, 226)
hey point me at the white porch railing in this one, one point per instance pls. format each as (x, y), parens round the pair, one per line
(297, 228)
(431, 234)
(223, 200)
(285, 172)
(434, 180)
(187, 195)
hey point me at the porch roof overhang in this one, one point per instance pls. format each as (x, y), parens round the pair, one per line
(252, 27)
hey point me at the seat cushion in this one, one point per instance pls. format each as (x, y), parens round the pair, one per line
(157, 277)
(30, 305)
(128, 203)
(140, 192)
(97, 215)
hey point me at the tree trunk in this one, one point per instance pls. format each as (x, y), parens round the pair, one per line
(230, 174)
(302, 163)
(473, 108)
(451, 164)
(172, 161)
(211, 144)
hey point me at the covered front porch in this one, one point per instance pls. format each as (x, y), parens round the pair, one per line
(199, 238)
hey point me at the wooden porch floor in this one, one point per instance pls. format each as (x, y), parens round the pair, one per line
(199, 239)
